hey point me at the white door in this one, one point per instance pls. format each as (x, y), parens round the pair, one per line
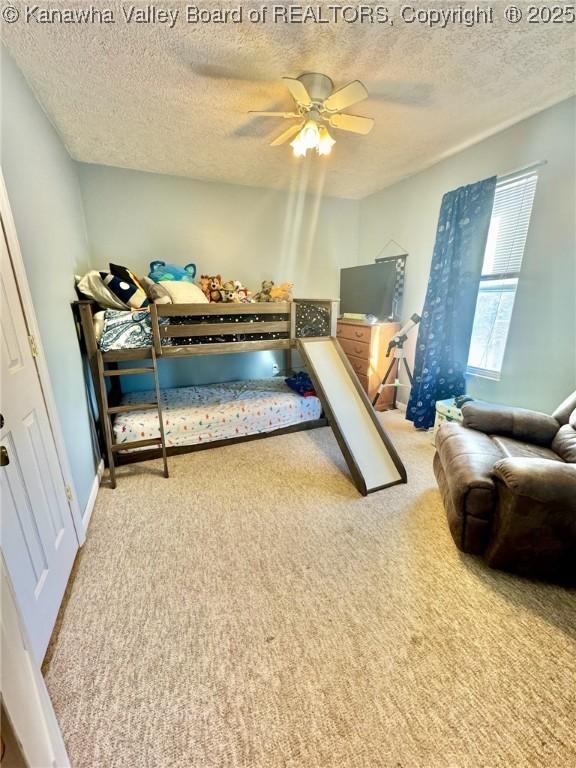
(38, 539)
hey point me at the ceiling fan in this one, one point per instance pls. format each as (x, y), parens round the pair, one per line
(319, 107)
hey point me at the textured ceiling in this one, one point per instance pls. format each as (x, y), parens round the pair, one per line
(176, 100)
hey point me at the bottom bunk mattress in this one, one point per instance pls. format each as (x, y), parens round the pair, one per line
(203, 414)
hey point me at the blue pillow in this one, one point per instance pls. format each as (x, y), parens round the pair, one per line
(125, 290)
(160, 271)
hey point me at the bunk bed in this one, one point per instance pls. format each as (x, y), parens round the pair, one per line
(137, 426)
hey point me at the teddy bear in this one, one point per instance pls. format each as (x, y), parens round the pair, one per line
(282, 292)
(229, 293)
(264, 293)
(234, 291)
(213, 287)
(160, 272)
(205, 285)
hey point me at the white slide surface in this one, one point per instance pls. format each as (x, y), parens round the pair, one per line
(371, 456)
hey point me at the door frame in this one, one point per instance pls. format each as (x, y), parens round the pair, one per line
(24, 691)
(15, 254)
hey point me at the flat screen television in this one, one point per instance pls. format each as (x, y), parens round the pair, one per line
(369, 290)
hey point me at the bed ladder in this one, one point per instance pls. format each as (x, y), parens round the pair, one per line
(113, 448)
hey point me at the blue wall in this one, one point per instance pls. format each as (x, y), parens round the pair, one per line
(45, 199)
(245, 233)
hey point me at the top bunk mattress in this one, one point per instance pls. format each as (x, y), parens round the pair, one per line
(203, 414)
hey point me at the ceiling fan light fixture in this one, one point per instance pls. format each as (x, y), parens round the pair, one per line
(310, 135)
(326, 141)
(298, 147)
(317, 105)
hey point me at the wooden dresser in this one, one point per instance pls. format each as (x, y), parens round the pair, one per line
(365, 345)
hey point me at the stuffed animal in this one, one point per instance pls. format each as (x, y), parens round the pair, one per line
(244, 295)
(205, 285)
(228, 292)
(281, 292)
(233, 291)
(214, 288)
(160, 271)
(264, 293)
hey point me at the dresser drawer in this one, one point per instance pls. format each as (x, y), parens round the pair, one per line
(355, 348)
(354, 332)
(359, 365)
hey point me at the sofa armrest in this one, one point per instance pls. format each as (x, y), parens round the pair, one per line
(522, 424)
(544, 480)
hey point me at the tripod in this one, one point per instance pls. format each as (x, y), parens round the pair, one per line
(397, 344)
(398, 357)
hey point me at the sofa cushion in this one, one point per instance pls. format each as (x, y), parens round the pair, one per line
(564, 443)
(471, 534)
(518, 449)
(467, 458)
(518, 423)
(565, 409)
(534, 527)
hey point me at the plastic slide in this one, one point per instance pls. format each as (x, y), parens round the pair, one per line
(369, 453)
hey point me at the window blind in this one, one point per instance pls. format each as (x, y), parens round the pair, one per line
(509, 225)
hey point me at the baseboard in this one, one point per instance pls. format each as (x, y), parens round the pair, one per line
(92, 498)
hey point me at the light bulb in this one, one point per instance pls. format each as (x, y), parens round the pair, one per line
(310, 135)
(326, 141)
(298, 146)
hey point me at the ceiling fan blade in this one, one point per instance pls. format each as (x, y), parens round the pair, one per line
(346, 96)
(287, 134)
(353, 123)
(298, 91)
(285, 115)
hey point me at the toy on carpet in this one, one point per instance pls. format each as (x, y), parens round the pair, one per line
(160, 272)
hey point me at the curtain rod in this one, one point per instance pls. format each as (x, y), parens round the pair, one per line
(521, 171)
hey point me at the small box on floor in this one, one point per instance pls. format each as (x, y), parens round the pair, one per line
(446, 410)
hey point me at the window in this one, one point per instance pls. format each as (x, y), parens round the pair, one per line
(500, 271)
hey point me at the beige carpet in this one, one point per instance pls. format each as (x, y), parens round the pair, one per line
(255, 611)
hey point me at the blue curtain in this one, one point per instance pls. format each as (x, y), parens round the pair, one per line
(448, 315)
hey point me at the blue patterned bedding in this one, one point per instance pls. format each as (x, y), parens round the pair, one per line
(202, 414)
(126, 330)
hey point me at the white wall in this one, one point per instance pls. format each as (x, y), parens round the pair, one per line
(540, 362)
(45, 199)
(244, 233)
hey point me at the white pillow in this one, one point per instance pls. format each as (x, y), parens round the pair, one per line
(182, 292)
(92, 285)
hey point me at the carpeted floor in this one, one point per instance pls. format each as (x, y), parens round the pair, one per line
(253, 611)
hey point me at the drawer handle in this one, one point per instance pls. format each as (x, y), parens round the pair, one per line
(358, 334)
(358, 350)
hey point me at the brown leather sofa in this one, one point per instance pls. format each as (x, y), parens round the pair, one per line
(508, 481)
